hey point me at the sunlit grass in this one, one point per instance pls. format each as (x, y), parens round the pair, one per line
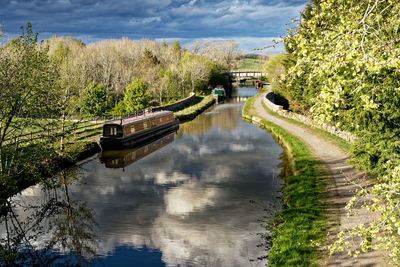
(194, 109)
(248, 64)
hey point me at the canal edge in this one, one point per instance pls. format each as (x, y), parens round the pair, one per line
(320, 172)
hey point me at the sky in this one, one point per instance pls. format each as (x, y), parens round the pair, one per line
(251, 23)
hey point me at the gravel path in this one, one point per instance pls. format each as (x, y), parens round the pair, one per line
(341, 191)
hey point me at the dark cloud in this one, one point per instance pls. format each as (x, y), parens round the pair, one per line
(194, 19)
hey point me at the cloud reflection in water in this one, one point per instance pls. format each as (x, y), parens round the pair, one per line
(189, 200)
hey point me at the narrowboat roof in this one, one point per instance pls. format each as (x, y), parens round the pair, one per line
(140, 118)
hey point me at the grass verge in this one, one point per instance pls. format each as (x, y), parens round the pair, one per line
(299, 228)
(191, 112)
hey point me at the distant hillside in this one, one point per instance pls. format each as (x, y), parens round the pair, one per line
(250, 62)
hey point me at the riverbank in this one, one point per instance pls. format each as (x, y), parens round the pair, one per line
(298, 229)
(193, 111)
(341, 179)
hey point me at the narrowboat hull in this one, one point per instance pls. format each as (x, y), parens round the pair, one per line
(139, 138)
(122, 158)
(219, 98)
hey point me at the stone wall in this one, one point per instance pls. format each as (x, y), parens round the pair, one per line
(177, 104)
(269, 102)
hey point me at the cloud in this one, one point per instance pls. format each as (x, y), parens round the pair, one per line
(188, 198)
(148, 20)
(190, 20)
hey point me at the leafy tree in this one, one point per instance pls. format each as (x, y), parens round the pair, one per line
(176, 47)
(27, 92)
(194, 69)
(94, 99)
(136, 96)
(275, 68)
(119, 109)
(343, 62)
(216, 77)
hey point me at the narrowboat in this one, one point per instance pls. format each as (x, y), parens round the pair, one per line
(131, 132)
(219, 93)
(121, 158)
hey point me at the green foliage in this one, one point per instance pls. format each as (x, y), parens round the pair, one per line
(26, 91)
(149, 58)
(352, 83)
(60, 54)
(215, 77)
(343, 62)
(136, 96)
(275, 68)
(168, 86)
(119, 108)
(94, 100)
(26, 77)
(176, 46)
(194, 69)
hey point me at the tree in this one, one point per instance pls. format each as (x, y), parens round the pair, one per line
(27, 92)
(119, 109)
(222, 53)
(194, 69)
(176, 47)
(275, 68)
(136, 96)
(94, 100)
(343, 62)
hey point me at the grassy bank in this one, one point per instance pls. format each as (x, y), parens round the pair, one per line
(299, 228)
(189, 113)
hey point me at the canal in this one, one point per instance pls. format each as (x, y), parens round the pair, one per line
(191, 198)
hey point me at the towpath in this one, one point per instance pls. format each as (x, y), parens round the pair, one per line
(339, 193)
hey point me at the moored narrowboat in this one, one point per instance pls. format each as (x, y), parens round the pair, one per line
(120, 134)
(219, 93)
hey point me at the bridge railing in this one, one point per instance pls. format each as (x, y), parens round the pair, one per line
(245, 73)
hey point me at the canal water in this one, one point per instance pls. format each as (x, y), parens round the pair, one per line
(192, 198)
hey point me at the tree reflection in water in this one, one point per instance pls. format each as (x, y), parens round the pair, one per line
(57, 230)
